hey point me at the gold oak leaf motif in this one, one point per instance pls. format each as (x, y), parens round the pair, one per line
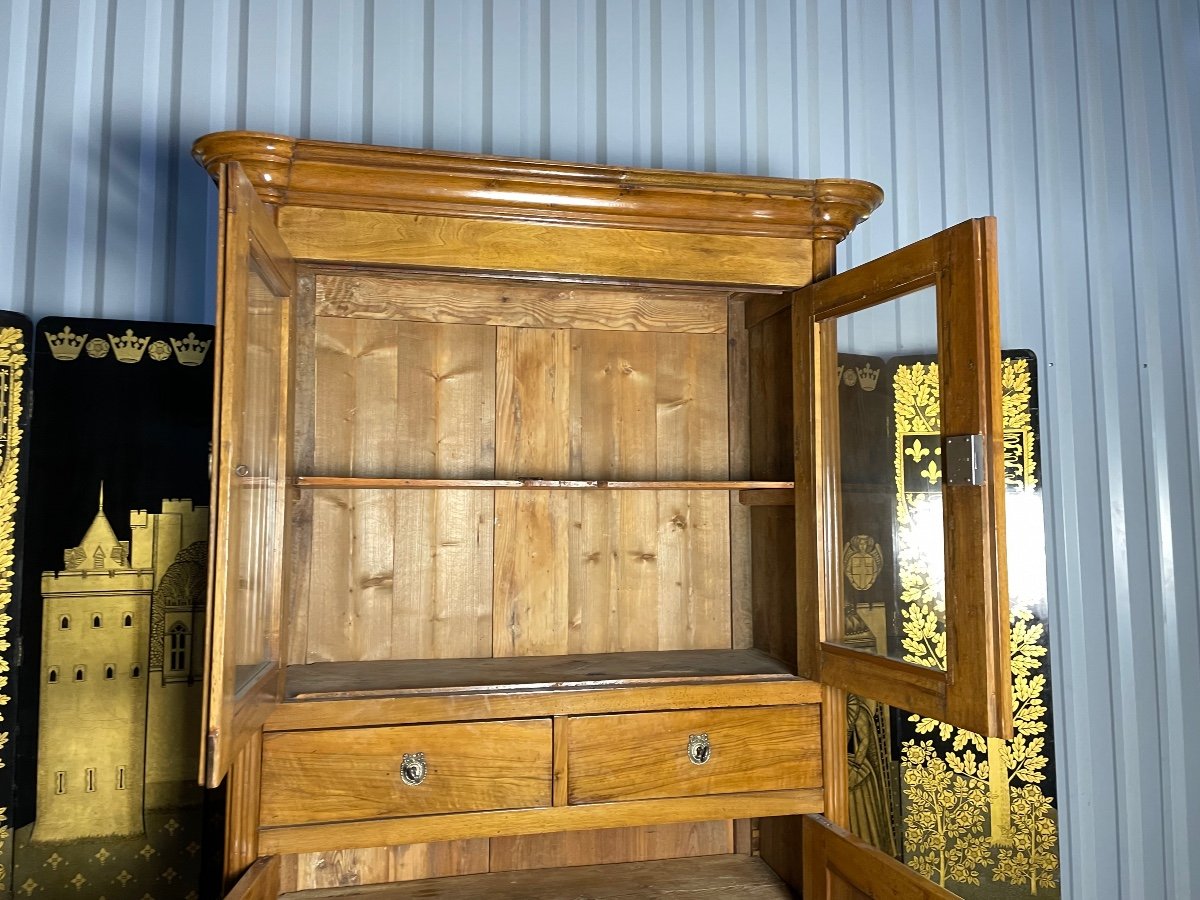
(980, 785)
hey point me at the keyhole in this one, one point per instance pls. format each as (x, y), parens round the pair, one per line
(701, 754)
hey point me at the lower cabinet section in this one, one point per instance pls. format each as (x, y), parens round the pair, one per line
(645, 756)
(380, 785)
(343, 774)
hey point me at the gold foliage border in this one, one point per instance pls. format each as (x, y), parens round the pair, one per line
(955, 796)
(12, 358)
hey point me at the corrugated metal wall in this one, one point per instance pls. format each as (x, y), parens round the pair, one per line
(1077, 123)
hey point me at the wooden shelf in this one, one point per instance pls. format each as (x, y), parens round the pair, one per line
(424, 677)
(695, 878)
(535, 484)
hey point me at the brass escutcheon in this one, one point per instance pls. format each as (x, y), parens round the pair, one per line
(412, 769)
(699, 749)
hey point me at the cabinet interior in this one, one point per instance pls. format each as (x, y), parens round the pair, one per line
(464, 393)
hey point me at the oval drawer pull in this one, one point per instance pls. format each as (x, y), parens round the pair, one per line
(412, 769)
(699, 749)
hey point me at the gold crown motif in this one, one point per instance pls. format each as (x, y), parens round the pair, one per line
(191, 350)
(868, 378)
(66, 344)
(129, 347)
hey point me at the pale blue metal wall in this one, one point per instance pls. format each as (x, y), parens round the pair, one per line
(1077, 123)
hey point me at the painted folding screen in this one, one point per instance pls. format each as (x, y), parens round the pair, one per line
(974, 814)
(113, 612)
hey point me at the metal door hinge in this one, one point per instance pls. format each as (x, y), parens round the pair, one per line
(962, 459)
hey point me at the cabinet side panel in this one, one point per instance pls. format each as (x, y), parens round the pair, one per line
(772, 529)
(303, 434)
(740, 572)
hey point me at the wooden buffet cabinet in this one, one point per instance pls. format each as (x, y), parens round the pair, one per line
(526, 527)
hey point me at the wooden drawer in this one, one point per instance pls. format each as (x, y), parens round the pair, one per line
(642, 756)
(355, 773)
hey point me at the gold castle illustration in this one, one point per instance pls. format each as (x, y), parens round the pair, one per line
(122, 631)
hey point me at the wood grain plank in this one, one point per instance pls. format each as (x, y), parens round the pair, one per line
(561, 760)
(304, 443)
(642, 756)
(518, 304)
(840, 866)
(451, 242)
(616, 569)
(398, 676)
(454, 568)
(740, 575)
(772, 530)
(611, 845)
(372, 514)
(333, 451)
(334, 775)
(261, 881)
(242, 813)
(339, 868)
(692, 439)
(380, 865)
(494, 823)
(382, 709)
(319, 482)
(443, 539)
(736, 877)
(530, 586)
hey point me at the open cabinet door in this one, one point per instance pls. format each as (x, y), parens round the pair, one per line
(251, 450)
(840, 866)
(944, 653)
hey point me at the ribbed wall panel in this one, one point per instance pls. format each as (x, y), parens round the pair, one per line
(1076, 123)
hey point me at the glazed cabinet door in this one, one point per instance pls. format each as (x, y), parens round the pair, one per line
(923, 627)
(251, 474)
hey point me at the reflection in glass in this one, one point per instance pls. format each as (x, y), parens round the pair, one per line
(892, 547)
(257, 484)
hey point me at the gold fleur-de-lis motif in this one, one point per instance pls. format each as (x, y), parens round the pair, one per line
(917, 451)
(931, 472)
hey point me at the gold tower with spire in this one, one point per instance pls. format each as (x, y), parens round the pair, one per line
(118, 670)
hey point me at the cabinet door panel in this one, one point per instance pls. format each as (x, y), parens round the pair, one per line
(251, 450)
(934, 638)
(840, 866)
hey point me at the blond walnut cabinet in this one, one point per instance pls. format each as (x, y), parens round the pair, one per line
(526, 540)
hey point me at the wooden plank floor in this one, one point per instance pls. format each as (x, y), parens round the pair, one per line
(731, 877)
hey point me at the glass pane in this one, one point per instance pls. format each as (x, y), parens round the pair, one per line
(873, 782)
(892, 534)
(257, 484)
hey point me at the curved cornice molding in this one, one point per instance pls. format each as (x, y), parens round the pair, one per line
(351, 176)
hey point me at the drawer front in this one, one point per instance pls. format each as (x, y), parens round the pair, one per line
(363, 773)
(643, 756)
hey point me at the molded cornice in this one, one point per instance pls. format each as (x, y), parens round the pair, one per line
(350, 176)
